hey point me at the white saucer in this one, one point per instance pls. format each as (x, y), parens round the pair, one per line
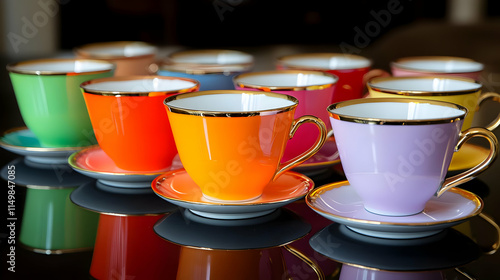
(178, 188)
(22, 141)
(93, 162)
(327, 156)
(340, 203)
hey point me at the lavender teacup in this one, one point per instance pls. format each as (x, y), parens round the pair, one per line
(395, 152)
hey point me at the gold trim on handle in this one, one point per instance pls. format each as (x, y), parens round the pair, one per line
(311, 151)
(495, 97)
(473, 172)
(307, 260)
(494, 247)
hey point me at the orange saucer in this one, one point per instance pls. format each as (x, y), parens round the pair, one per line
(178, 188)
(95, 163)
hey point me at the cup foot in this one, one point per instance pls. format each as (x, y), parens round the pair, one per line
(393, 214)
(213, 199)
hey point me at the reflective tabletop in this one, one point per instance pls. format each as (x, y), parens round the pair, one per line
(61, 224)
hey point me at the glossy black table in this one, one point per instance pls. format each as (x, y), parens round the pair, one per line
(458, 253)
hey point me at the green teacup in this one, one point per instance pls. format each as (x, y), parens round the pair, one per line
(53, 224)
(50, 101)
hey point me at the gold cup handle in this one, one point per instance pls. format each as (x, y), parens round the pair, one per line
(495, 97)
(311, 151)
(474, 171)
(308, 261)
(494, 247)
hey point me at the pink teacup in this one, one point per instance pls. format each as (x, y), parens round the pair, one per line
(313, 89)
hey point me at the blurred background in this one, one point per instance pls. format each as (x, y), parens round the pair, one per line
(381, 30)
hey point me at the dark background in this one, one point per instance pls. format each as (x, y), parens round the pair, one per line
(268, 29)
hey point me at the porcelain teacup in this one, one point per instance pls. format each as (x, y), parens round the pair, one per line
(395, 152)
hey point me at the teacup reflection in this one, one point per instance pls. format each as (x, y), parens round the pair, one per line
(255, 248)
(50, 223)
(126, 246)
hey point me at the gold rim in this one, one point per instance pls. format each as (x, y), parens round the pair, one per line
(85, 85)
(380, 121)
(158, 181)
(187, 111)
(316, 193)
(13, 67)
(372, 86)
(400, 63)
(283, 60)
(240, 84)
(170, 63)
(87, 50)
(73, 159)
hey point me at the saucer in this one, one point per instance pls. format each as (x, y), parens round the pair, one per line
(447, 249)
(97, 197)
(279, 228)
(467, 157)
(178, 188)
(340, 203)
(94, 162)
(327, 156)
(42, 175)
(22, 141)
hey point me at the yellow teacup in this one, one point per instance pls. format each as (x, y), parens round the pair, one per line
(458, 90)
(231, 141)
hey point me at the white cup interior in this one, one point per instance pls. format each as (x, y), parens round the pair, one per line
(127, 50)
(399, 111)
(237, 102)
(222, 58)
(65, 66)
(330, 63)
(285, 79)
(140, 85)
(428, 85)
(442, 66)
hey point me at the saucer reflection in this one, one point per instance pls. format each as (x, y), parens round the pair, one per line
(255, 248)
(51, 223)
(365, 256)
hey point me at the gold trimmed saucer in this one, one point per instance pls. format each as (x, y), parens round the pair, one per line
(340, 203)
(178, 188)
(22, 141)
(94, 162)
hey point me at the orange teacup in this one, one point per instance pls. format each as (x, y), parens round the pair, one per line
(231, 141)
(129, 119)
